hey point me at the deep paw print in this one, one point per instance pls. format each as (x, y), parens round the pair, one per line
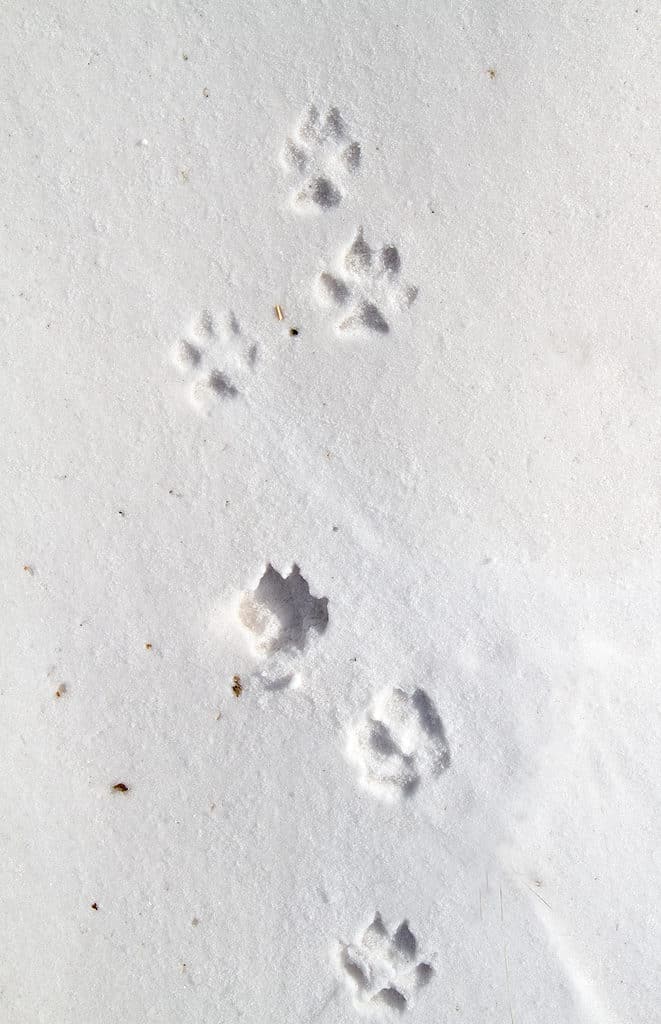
(382, 969)
(280, 612)
(366, 286)
(398, 743)
(196, 358)
(280, 615)
(321, 156)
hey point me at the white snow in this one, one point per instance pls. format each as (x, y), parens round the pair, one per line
(414, 774)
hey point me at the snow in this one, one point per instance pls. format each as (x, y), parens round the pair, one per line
(364, 618)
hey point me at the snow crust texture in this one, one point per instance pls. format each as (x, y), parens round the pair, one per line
(331, 512)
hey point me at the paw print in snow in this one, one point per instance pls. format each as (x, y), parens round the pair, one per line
(383, 970)
(365, 284)
(398, 743)
(194, 357)
(279, 614)
(321, 154)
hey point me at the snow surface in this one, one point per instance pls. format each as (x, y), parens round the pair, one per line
(423, 532)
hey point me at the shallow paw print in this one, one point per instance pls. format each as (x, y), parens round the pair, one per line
(381, 969)
(398, 743)
(321, 156)
(195, 357)
(366, 286)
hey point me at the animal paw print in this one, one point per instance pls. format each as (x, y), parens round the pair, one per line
(382, 970)
(279, 615)
(281, 611)
(321, 155)
(194, 358)
(398, 742)
(366, 283)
